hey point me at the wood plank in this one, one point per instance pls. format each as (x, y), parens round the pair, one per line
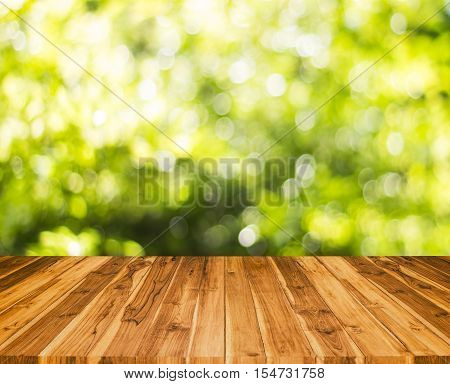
(10, 264)
(124, 336)
(283, 338)
(217, 309)
(428, 312)
(329, 340)
(425, 287)
(28, 270)
(372, 338)
(27, 348)
(424, 345)
(439, 263)
(81, 336)
(168, 339)
(40, 277)
(243, 337)
(207, 343)
(39, 301)
(439, 277)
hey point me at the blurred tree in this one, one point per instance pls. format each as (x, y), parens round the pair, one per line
(225, 79)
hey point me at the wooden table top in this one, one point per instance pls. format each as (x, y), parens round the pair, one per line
(224, 309)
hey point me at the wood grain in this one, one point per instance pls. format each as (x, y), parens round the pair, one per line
(10, 264)
(421, 284)
(224, 309)
(126, 331)
(244, 342)
(85, 332)
(440, 277)
(423, 344)
(33, 306)
(39, 277)
(28, 270)
(329, 340)
(282, 335)
(434, 316)
(167, 340)
(439, 263)
(376, 343)
(27, 348)
(210, 319)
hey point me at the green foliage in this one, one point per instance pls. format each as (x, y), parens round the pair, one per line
(224, 78)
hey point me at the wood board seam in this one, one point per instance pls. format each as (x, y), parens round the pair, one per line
(409, 355)
(342, 328)
(252, 295)
(44, 311)
(79, 319)
(405, 306)
(396, 302)
(20, 267)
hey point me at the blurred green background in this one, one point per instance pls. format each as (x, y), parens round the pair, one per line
(224, 79)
